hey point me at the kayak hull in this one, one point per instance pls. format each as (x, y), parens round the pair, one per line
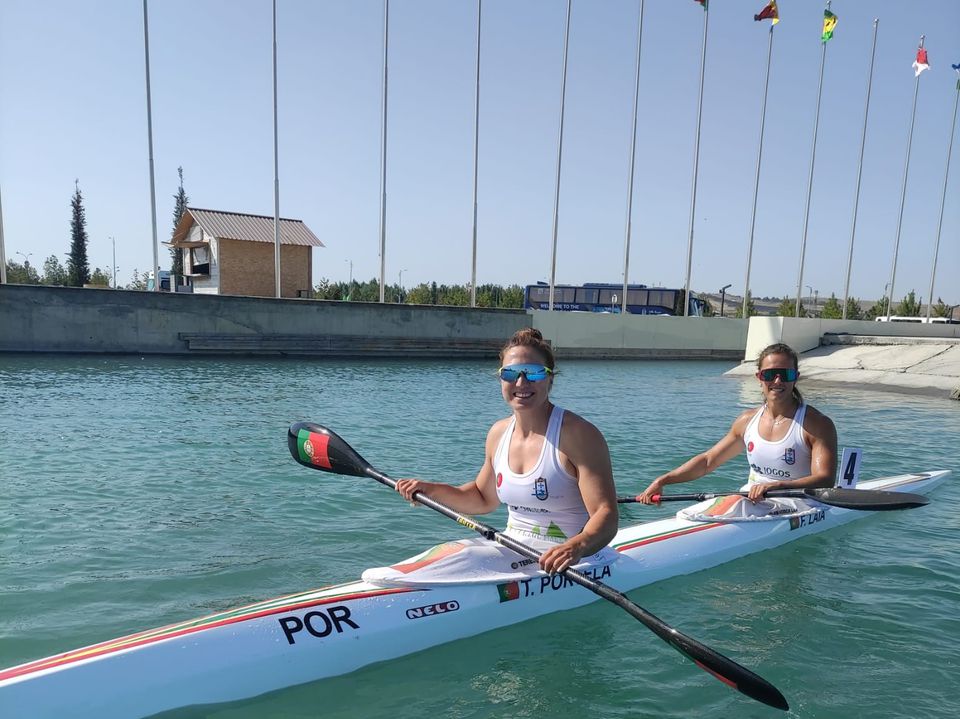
(334, 630)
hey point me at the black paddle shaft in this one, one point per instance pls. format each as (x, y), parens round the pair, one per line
(874, 500)
(319, 448)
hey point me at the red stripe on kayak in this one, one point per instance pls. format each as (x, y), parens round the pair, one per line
(171, 632)
(722, 505)
(435, 555)
(669, 535)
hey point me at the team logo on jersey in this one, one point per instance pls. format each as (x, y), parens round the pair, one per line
(790, 456)
(499, 478)
(540, 489)
(749, 446)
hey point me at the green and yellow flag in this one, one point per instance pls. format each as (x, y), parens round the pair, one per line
(829, 22)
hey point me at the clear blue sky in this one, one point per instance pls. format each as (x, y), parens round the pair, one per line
(73, 107)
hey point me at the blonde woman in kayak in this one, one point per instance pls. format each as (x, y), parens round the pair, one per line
(549, 466)
(790, 445)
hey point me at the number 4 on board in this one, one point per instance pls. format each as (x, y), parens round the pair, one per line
(850, 467)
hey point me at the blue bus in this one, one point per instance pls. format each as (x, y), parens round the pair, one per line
(606, 297)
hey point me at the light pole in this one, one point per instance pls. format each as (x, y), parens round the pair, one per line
(26, 257)
(113, 243)
(723, 293)
(350, 281)
(400, 285)
(810, 291)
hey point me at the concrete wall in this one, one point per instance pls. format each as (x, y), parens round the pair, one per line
(642, 336)
(36, 318)
(803, 333)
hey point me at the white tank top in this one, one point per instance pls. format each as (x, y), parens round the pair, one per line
(787, 458)
(544, 503)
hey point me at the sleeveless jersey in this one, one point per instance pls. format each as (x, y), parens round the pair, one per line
(544, 503)
(787, 458)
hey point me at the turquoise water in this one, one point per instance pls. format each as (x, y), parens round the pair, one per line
(140, 492)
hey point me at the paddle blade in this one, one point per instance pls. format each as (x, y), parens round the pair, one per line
(875, 500)
(317, 447)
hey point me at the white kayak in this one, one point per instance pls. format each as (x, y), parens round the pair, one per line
(331, 631)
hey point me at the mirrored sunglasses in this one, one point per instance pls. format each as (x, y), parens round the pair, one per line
(787, 374)
(530, 372)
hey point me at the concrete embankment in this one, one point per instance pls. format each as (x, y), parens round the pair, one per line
(62, 319)
(914, 358)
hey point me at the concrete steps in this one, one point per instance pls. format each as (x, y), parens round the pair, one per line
(340, 346)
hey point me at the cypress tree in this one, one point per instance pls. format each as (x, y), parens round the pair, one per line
(180, 206)
(78, 267)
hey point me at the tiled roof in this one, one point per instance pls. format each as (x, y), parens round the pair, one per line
(254, 228)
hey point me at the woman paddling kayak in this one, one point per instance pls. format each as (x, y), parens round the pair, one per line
(790, 445)
(550, 467)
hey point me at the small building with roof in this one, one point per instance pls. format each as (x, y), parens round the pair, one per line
(232, 253)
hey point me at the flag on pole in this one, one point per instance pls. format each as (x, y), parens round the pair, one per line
(829, 22)
(920, 64)
(957, 68)
(770, 12)
(702, 2)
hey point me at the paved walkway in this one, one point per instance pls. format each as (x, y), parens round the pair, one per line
(916, 365)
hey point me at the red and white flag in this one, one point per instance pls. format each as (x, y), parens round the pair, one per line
(920, 64)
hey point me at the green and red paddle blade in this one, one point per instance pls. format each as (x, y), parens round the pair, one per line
(317, 447)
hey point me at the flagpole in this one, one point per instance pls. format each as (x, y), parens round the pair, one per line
(856, 195)
(383, 156)
(813, 155)
(943, 196)
(633, 150)
(903, 190)
(153, 191)
(556, 194)
(756, 183)
(696, 161)
(3, 255)
(476, 150)
(276, 163)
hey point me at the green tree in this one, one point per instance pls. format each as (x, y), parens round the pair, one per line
(100, 278)
(879, 309)
(512, 297)
(751, 308)
(25, 274)
(78, 267)
(708, 310)
(180, 206)
(831, 309)
(420, 295)
(940, 309)
(54, 273)
(454, 295)
(788, 308)
(138, 282)
(909, 306)
(853, 309)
